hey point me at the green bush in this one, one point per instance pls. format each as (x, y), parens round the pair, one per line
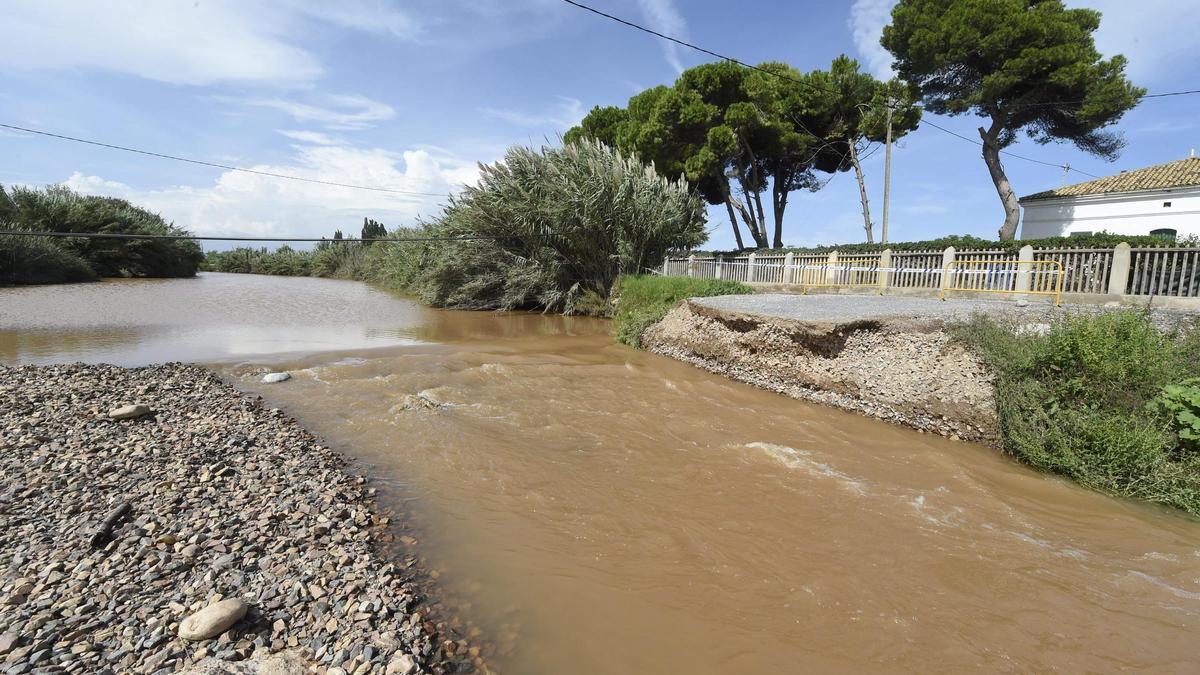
(60, 209)
(1106, 400)
(561, 224)
(39, 260)
(644, 299)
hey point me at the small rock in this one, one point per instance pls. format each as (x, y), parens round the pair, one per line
(8, 641)
(212, 620)
(126, 412)
(271, 378)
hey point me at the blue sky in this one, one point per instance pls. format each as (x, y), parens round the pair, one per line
(411, 95)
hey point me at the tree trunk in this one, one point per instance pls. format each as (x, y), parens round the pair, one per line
(1008, 198)
(757, 229)
(737, 231)
(779, 197)
(862, 192)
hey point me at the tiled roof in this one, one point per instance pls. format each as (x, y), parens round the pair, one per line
(1180, 173)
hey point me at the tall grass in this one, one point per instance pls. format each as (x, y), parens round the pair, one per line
(1083, 400)
(643, 300)
(60, 209)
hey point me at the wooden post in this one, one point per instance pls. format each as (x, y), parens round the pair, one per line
(750, 268)
(691, 265)
(1118, 275)
(789, 274)
(666, 264)
(830, 264)
(720, 267)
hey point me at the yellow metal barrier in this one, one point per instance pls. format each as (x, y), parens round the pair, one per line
(1003, 276)
(837, 276)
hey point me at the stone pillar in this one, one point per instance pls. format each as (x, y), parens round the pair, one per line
(666, 264)
(830, 271)
(947, 258)
(789, 274)
(1024, 269)
(720, 267)
(1118, 275)
(885, 269)
(750, 268)
(691, 265)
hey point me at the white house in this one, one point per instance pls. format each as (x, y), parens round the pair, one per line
(1161, 200)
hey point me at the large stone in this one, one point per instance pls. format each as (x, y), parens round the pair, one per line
(126, 412)
(401, 665)
(212, 620)
(271, 378)
(8, 641)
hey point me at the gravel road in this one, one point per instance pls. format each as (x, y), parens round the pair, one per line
(840, 308)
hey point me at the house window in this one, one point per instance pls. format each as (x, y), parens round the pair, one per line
(1164, 233)
(1166, 205)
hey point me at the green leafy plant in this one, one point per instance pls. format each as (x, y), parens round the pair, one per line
(643, 300)
(1181, 404)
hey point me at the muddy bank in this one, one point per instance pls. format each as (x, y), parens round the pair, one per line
(210, 534)
(902, 370)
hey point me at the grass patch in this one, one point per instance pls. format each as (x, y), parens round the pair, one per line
(1108, 400)
(644, 299)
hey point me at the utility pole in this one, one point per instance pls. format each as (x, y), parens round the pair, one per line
(887, 171)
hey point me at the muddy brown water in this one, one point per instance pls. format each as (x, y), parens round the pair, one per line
(595, 509)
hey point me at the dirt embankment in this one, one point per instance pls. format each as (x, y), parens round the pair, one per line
(902, 370)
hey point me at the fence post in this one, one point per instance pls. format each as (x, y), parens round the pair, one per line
(947, 258)
(666, 264)
(885, 267)
(720, 267)
(692, 265)
(1025, 255)
(789, 274)
(830, 265)
(750, 268)
(1118, 275)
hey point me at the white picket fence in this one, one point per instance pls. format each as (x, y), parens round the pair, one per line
(1122, 271)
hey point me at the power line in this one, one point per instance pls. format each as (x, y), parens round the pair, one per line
(218, 166)
(177, 237)
(972, 141)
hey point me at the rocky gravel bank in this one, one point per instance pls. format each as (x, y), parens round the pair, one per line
(204, 533)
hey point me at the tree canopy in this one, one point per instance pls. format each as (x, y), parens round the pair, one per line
(736, 133)
(1023, 65)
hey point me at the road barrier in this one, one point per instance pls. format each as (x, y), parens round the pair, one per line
(1013, 277)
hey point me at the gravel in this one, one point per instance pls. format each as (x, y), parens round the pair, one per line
(114, 531)
(840, 308)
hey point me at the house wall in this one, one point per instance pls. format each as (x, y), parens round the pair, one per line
(1135, 213)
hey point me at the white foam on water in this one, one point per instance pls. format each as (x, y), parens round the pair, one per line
(1174, 590)
(802, 460)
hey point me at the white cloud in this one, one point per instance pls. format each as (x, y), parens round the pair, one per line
(314, 137)
(343, 112)
(867, 19)
(561, 116)
(664, 17)
(192, 43)
(243, 204)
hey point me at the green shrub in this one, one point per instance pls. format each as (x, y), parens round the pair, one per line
(60, 209)
(39, 260)
(1107, 400)
(643, 300)
(1180, 403)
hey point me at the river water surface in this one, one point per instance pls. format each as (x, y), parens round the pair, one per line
(599, 510)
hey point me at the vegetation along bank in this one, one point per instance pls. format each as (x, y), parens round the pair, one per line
(53, 260)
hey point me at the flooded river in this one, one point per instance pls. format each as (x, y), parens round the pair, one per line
(600, 510)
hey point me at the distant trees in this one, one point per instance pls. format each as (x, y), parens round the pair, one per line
(370, 230)
(736, 133)
(1022, 65)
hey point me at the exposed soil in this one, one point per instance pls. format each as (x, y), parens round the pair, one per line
(903, 370)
